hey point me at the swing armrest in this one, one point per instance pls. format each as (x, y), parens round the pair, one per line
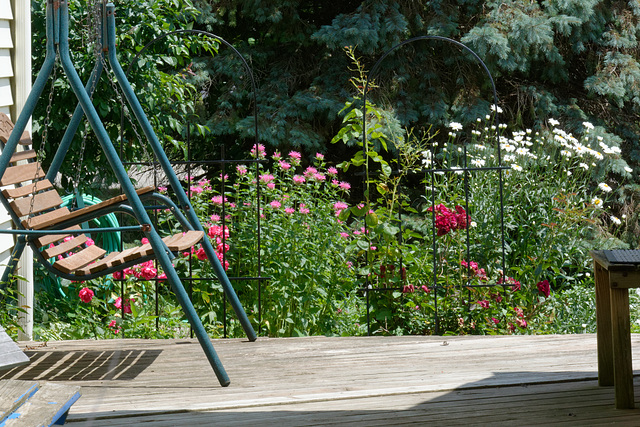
(49, 221)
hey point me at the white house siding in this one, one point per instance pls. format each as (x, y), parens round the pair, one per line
(6, 102)
(6, 47)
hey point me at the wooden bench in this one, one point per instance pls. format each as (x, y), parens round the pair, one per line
(30, 403)
(612, 284)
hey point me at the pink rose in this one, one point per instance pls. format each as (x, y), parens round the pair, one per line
(86, 295)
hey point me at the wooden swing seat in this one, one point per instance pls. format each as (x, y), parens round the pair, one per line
(33, 197)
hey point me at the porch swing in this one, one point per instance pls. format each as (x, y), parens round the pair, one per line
(55, 232)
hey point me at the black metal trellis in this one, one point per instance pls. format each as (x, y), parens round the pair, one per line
(191, 164)
(430, 173)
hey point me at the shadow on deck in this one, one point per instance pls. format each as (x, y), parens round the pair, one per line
(504, 380)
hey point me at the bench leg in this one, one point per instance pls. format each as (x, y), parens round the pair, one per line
(603, 322)
(622, 362)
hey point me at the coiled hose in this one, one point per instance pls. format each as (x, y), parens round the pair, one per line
(110, 241)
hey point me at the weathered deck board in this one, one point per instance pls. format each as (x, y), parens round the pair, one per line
(499, 380)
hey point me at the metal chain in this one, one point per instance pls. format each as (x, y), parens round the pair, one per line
(45, 133)
(116, 90)
(93, 19)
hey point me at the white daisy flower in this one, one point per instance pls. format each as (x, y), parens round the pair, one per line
(509, 148)
(628, 169)
(605, 187)
(588, 125)
(554, 122)
(597, 202)
(615, 220)
(516, 167)
(426, 158)
(455, 126)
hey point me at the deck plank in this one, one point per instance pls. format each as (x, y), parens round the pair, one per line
(500, 380)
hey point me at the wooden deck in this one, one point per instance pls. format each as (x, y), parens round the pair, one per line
(500, 380)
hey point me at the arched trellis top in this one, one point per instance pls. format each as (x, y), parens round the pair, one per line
(376, 67)
(223, 161)
(244, 62)
(500, 168)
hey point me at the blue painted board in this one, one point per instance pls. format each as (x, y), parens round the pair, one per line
(30, 403)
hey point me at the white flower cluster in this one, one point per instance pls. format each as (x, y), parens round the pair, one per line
(571, 146)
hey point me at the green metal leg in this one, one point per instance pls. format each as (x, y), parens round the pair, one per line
(134, 199)
(13, 262)
(173, 179)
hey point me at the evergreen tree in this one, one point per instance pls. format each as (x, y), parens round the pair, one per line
(572, 60)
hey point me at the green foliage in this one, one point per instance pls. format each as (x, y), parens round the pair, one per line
(10, 308)
(159, 78)
(569, 60)
(102, 317)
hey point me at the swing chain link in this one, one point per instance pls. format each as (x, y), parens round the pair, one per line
(93, 18)
(125, 109)
(45, 133)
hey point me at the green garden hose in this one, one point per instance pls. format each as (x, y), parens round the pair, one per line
(110, 241)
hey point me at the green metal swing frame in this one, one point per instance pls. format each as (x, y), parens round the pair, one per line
(57, 31)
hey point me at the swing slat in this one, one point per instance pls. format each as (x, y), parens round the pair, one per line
(6, 126)
(52, 238)
(111, 260)
(178, 242)
(36, 204)
(147, 249)
(14, 193)
(25, 138)
(53, 220)
(80, 259)
(102, 264)
(140, 252)
(65, 246)
(22, 173)
(23, 155)
(120, 258)
(186, 241)
(53, 217)
(97, 266)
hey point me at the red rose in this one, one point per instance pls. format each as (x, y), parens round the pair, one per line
(544, 288)
(86, 295)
